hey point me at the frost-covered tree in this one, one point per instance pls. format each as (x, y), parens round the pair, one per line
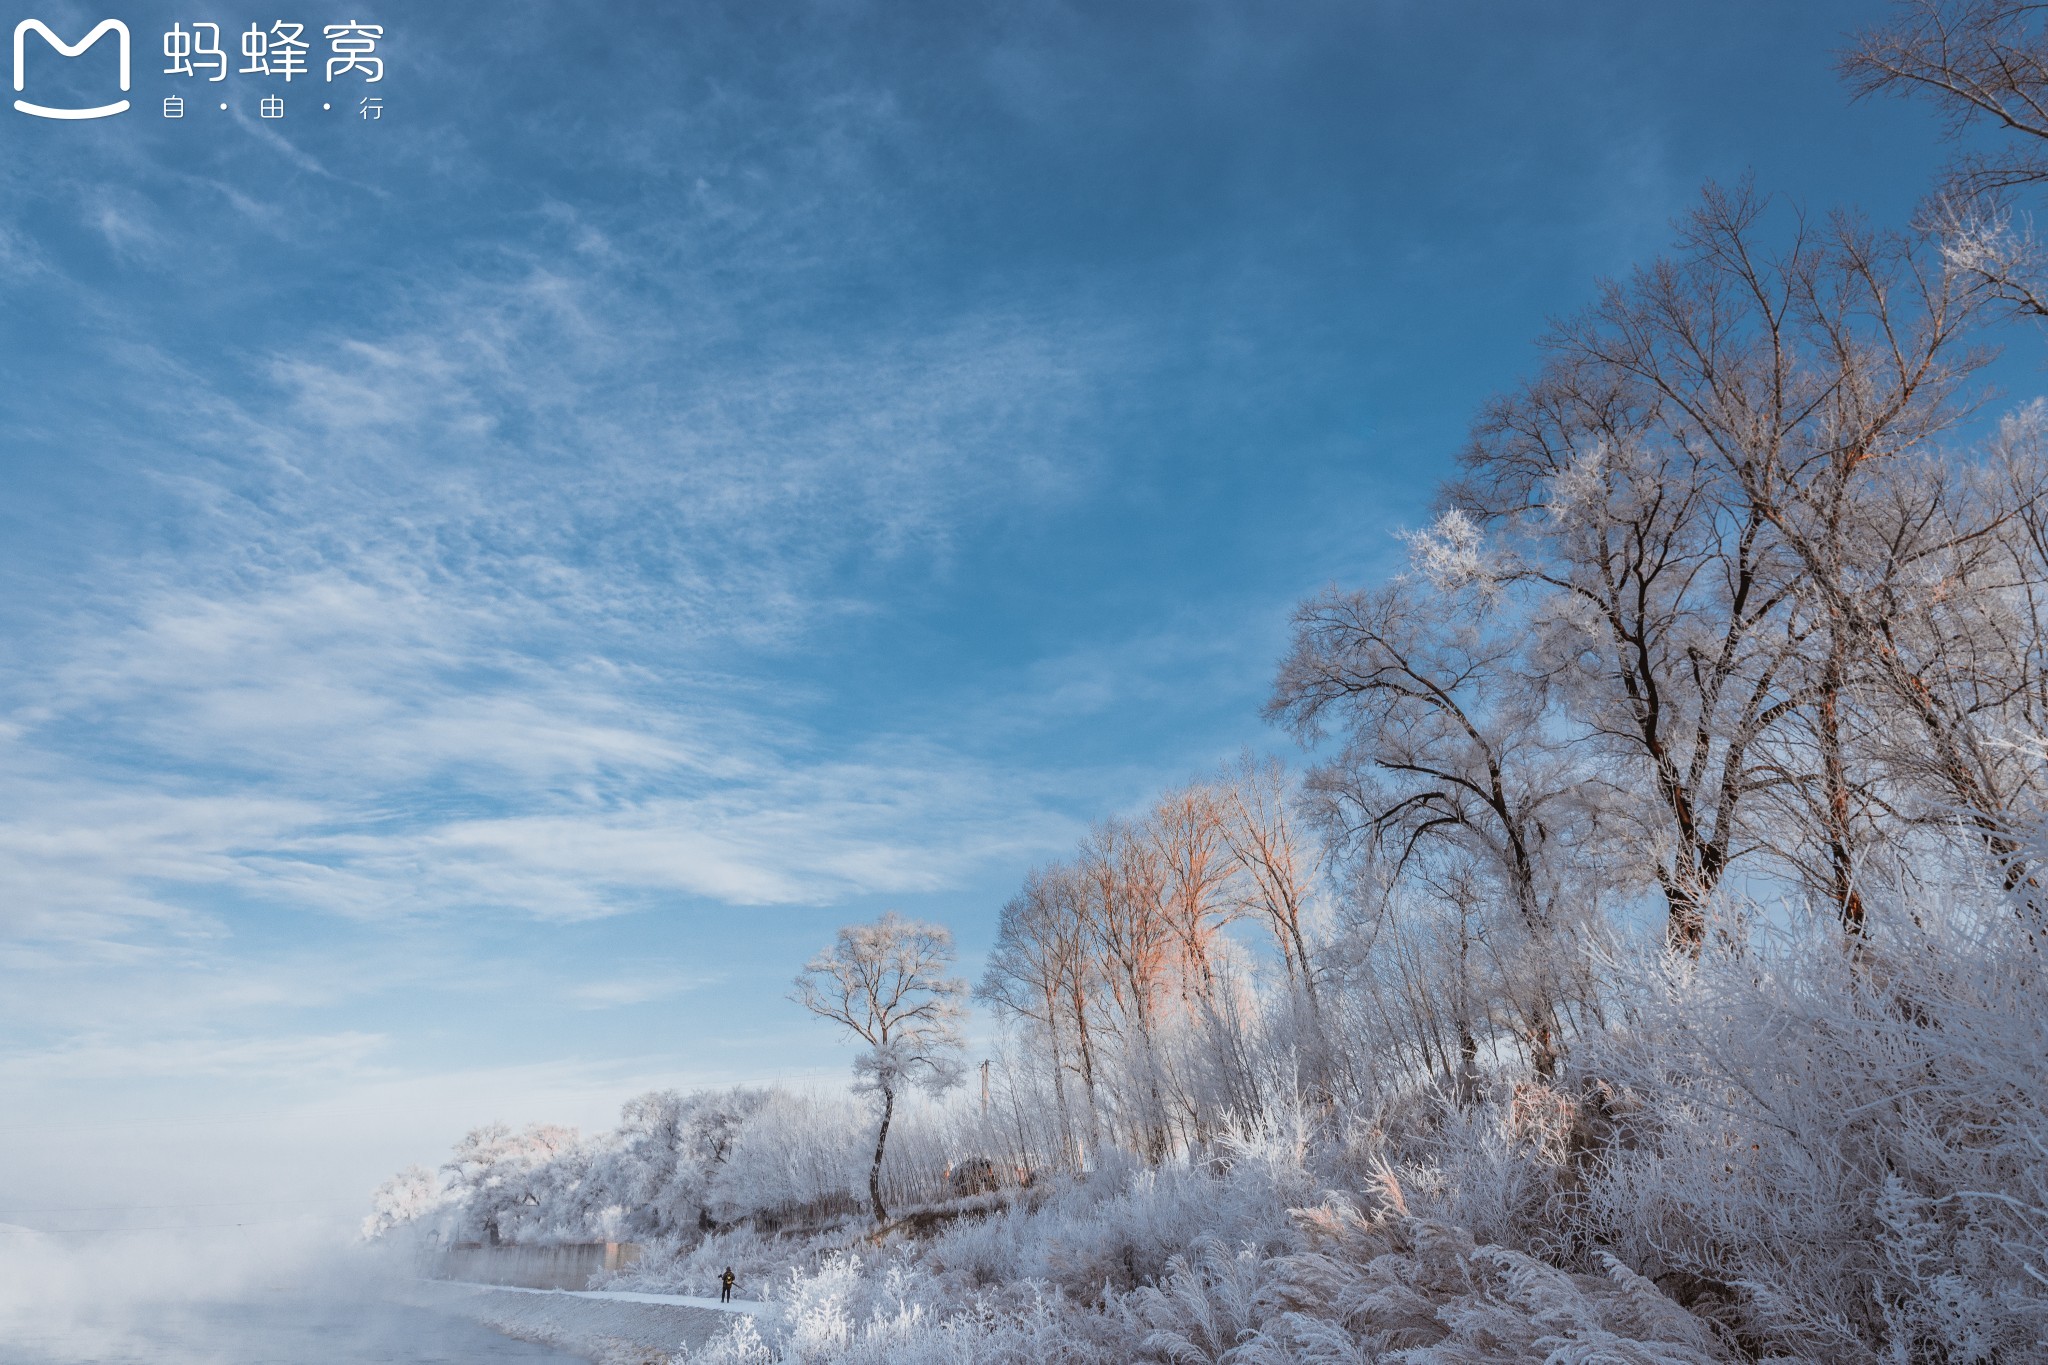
(1450, 767)
(1039, 972)
(1661, 609)
(1808, 374)
(502, 1178)
(660, 1165)
(403, 1199)
(886, 984)
(1276, 864)
(1186, 830)
(1983, 64)
(1752, 572)
(1124, 882)
(791, 1158)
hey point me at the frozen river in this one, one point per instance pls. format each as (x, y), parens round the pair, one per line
(275, 1329)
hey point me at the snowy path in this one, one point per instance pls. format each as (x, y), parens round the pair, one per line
(747, 1306)
(597, 1324)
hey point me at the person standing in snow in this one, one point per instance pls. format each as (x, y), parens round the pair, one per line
(725, 1286)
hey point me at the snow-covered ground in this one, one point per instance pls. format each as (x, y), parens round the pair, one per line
(610, 1326)
(748, 1306)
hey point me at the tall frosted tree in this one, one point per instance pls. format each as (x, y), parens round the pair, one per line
(886, 984)
(1448, 768)
(1041, 971)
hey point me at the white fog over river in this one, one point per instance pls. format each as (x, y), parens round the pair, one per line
(233, 1297)
(285, 1329)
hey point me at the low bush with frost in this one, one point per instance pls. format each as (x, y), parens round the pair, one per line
(1844, 1154)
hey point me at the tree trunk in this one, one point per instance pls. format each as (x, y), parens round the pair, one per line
(1466, 1087)
(1308, 980)
(1685, 923)
(1466, 1083)
(1835, 788)
(1087, 1072)
(1543, 1051)
(881, 1141)
(1070, 1144)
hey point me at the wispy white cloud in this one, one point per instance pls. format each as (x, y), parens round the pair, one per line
(326, 743)
(638, 988)
(468, 613)
(85, 862)
(302, 1059)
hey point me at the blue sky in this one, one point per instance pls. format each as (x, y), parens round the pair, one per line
(491, 588)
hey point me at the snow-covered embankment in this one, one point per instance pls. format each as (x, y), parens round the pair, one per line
(612, 1327)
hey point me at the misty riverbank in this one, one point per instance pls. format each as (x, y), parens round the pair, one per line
(411, 1323)
(259, 1296)
(277, 1326)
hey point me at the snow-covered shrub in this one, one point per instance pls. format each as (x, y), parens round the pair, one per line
(739, 1344)
(1398, 1287)
(1208, 1305)
(1395, 1287)
(849, 1313)
(1842, 1150)
(815, 1312)
(1501, 1167)
(1115, 1230)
